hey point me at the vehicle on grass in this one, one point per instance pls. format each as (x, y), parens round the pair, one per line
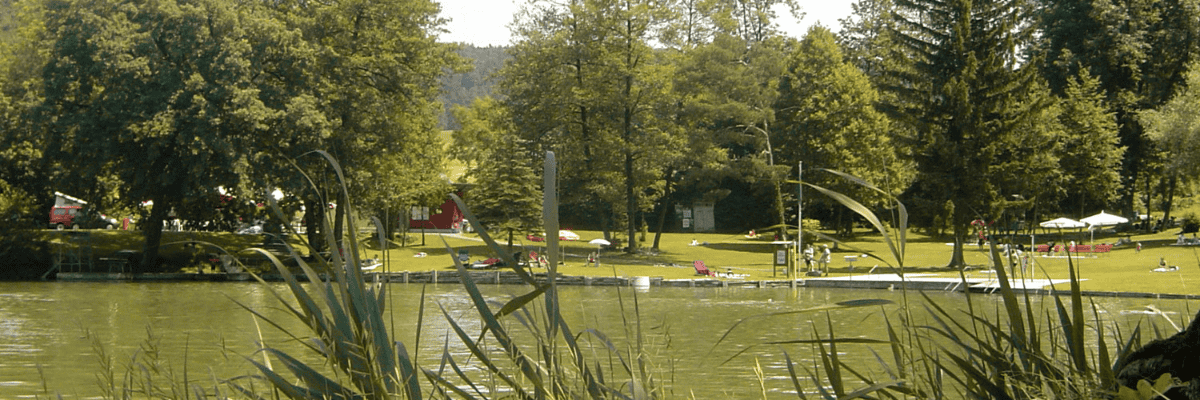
(93, 220)
(75, 217)
(63, 217)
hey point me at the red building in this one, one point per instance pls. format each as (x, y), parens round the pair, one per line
(446, 217)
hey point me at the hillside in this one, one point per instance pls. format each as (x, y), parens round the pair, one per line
(462, 89)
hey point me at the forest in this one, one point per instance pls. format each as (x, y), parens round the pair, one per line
(964, 110)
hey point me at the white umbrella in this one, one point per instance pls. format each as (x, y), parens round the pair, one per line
(1062, 223)
(600, 243)
(1101, 220)
(1104, 219)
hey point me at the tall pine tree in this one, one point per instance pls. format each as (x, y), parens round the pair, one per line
(975, 109)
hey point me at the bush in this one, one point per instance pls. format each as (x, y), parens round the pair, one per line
(1191, 223)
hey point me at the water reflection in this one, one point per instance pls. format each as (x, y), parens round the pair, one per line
(58, 326)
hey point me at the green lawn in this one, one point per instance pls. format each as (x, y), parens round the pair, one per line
(1124, 269)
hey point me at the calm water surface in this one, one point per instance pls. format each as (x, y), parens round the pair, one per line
(53, 335)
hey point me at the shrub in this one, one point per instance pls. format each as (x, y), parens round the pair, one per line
(1191, 223)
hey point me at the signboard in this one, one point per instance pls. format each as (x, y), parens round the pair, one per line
(781, 257)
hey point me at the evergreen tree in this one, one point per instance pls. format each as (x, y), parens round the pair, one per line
(1090, 149)
(506, 196)
(973, 108)
(1138, 49)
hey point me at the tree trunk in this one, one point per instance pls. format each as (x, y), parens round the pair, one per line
(782, 214)
(1149, 198)
(314, 212)
(153, 232)
(1169, 198)
(960, 237)
(666, 206)
(630, 204)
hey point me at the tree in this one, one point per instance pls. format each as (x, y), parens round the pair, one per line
(1175, 129)
(461, 89)
(163, 93)
(507, 196)
(549, 89)
(1139, 50)
(1091, 154)
(864, 39)
(826, 118)
(727, 82)
(483, 124)
(23, 157)
(973, 108)
(374, 68)
(585, 82)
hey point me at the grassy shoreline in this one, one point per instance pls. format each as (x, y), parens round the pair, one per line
(1124, 269)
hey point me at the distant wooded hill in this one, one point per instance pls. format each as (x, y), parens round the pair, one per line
(462, 89)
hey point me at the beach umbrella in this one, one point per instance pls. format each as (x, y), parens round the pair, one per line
(600, 243)
(1101, 220)
(1062, 223)
(1104, 219)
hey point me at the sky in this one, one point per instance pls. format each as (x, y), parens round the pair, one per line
(485, 22)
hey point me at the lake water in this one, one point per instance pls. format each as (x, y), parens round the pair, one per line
(53, 334)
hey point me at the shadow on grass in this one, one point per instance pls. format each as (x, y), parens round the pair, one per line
(748, 247)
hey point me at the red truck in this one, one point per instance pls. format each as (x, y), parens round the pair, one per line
(62, 217)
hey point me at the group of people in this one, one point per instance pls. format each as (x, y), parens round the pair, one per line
(1018, 256)
(823, 261)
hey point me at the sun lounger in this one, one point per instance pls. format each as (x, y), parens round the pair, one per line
(701, 269)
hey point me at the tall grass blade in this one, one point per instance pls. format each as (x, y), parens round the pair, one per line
(528, 369)
(448, 360)
(482, 356)
(1078, 346)
(1104, 361)
(791, 367)
(863, 392)
(830, 361)
(408, 373)
(1015, 319)
(898, 360)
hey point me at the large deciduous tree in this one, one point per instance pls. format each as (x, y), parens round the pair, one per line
(826, 118)
(375, 65)
(1175, 129)
(586, 83)
(727, 82)
(976, 112)
(164, 93)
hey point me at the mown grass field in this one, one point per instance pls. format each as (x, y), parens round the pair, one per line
(1124, 269)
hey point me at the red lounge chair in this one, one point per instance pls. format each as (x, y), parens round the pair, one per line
(701, 269)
